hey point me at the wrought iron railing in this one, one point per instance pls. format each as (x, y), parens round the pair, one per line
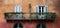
(20, 16)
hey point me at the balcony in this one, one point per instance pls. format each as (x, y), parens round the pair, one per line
(19, 16)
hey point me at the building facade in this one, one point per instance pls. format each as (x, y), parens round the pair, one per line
(29, 6)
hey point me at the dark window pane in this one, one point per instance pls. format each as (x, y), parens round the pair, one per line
(39, 7)
(41, 25)
(39, 10)
(42, 10)
(18, 25)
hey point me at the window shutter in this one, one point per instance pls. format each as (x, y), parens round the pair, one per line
(37, 9)
(45, 9)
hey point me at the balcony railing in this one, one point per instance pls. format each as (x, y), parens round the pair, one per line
(32, 16)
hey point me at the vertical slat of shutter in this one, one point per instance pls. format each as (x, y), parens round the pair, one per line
(45, 9)
(15, 8)
(37, 9)
(20, 8)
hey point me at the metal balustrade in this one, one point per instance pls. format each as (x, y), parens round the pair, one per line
(32, 16)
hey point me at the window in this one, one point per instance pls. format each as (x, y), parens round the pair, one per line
(41, 10)
(41, 25)
(18, 8)
(17, 25)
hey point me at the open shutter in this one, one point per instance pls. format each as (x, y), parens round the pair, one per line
(46, 9)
